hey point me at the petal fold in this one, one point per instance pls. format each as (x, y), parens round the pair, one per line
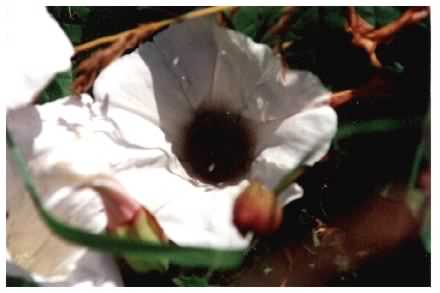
(56, 140)
(144, 87)
(302, 137)
(189, 214)
(52, 261)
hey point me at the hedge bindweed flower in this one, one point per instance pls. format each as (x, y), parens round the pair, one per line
(223, 111)
(184, 123)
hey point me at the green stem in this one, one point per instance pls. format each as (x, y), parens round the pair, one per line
(420, 152)
(375, 126)
(288, 179)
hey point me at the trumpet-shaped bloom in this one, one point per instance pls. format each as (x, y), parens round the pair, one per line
(183, 123)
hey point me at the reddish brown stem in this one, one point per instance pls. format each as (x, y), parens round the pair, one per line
(364, 36)
(283, 23)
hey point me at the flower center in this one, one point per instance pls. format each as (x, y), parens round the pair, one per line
(218, 146)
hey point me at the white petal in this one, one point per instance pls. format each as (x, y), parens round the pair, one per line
(37, 49)
(225, 68)
(285, 144)
(145, 88)
(91, 269)
(46, 135)
(189, 51)
(50, 259)
(240, 65)
(62, 148)
(268, 91)
(292, 193)
(278, 95)
(189, 214)
(71, 139)
(270, 174)
(304, 136)
(211, 67)
(74, 139)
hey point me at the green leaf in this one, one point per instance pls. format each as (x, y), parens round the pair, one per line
(185, 256)
(12, 281)
(70, 14)
(252, 20)
(422, 149)
(80, 11)
(333, 17)
(73, 20)
(191, 281)
(59, 87)
(74, 32)
(306, 17)
(246, 21)
(379, 16)
(375, 126)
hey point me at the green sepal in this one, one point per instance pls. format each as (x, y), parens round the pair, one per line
(142, 229)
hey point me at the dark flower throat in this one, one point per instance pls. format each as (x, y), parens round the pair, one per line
(218, 146)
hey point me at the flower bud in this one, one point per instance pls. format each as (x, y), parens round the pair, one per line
(143, 227)
(257, 210)
(127, 219)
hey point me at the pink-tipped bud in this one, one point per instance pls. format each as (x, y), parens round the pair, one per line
(126, 218)
(258, 210)
(120, 208)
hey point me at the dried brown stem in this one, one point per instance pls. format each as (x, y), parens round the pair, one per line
(233, 11)
(225, 19)
(150, 26)
(366, 37)
(278, 29)
(88, 69)
(283, 23)
(411, 16)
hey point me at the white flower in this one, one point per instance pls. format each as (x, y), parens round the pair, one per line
(39, 49)
(42, 50)
(197, 73)
(183, 123)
